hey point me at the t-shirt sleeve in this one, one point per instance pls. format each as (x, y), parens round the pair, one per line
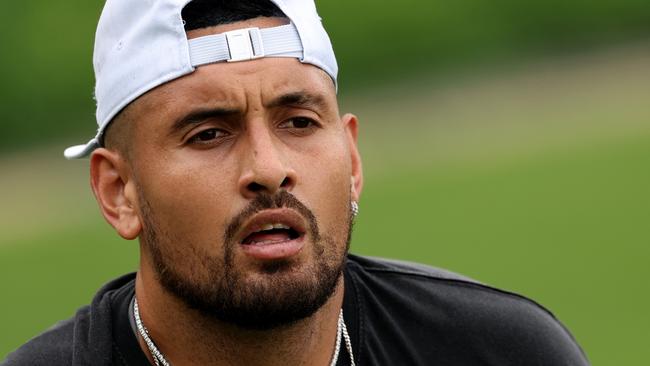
(429, 316)
(524, 333)
(53, 347)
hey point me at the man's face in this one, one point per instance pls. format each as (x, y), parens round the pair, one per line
(244, 174)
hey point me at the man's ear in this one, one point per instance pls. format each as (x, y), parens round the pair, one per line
(351, 124)
(115, 191)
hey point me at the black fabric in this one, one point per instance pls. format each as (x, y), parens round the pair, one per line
(397, 313)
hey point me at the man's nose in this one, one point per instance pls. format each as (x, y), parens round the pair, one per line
(265, 168)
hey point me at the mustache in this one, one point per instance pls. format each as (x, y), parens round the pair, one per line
(265, 201)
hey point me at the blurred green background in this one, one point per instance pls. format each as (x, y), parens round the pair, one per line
(506, 140)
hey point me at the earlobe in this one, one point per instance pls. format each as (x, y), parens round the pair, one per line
(351, 124)
(115, 192)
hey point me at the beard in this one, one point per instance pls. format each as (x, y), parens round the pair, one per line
(279, 293)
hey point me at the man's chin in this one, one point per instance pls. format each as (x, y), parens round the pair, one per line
(280, 296)
(268, 295)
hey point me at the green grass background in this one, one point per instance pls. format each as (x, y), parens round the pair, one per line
(506, 140)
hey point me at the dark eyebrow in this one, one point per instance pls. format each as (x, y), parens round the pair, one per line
(295, 99)
(200, 115)
(298, 99)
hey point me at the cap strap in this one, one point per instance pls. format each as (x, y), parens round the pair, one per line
(246, 44)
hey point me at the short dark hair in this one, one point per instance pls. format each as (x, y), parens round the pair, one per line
(208, 13)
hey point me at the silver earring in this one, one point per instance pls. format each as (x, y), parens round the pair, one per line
(354, 207)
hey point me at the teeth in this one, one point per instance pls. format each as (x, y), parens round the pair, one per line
(267, 227)
(274, 226)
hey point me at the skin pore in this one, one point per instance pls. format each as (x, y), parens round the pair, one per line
(188, 167)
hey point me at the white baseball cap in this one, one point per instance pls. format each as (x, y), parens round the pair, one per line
(141, 44)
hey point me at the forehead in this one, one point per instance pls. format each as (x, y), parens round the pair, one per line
(242, 85)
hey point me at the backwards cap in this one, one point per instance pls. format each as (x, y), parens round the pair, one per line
(141, 44)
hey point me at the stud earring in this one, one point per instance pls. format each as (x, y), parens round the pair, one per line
(354, 207)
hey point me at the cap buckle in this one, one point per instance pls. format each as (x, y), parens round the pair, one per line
(244, 44)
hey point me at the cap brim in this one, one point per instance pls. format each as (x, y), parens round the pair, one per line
(81, 151)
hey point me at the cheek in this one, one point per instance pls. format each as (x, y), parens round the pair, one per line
(326, 184)
(189, 203)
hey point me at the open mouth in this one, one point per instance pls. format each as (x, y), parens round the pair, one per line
(272, 233)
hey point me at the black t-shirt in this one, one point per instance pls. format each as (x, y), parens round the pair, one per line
(397, 313)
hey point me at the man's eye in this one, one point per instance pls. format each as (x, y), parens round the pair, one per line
(298, 123)
(206, 136)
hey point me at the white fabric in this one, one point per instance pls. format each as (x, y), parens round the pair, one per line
(141, 44)
(282, 41)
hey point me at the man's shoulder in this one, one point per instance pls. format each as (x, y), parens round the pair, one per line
(460, 313)
(52, 347)
(423, 289)
(405, 268)
(84, 339)
(415, 281)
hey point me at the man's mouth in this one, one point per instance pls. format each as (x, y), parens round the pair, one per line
(273, 234)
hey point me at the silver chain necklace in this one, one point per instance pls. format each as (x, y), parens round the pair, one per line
(159, 358)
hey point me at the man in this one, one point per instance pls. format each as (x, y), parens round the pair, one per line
(221, 148)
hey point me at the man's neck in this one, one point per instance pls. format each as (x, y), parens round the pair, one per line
(187, 337)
